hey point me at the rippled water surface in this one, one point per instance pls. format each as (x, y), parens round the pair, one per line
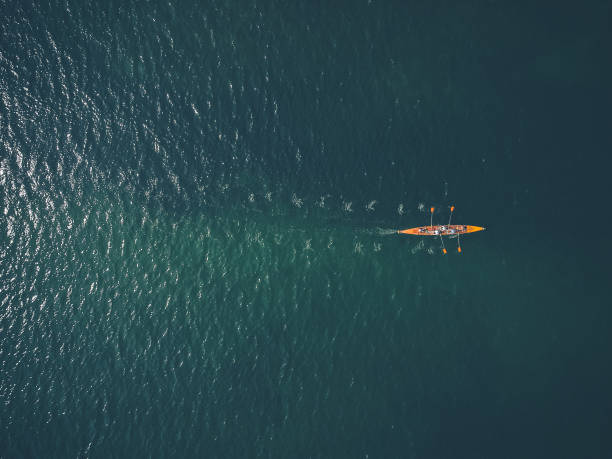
(198, 206)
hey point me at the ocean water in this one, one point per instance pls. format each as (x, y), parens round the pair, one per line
(198, 206)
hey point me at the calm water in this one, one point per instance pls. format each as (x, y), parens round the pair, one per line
(197, 212)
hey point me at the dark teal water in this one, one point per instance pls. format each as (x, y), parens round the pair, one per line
(197, 212)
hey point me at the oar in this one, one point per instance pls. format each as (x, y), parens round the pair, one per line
(449, 222)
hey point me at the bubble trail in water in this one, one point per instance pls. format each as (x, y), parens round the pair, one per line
(385, 231)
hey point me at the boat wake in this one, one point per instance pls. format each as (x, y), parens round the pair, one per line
(384, 231)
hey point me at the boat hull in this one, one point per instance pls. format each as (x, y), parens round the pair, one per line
(441, 230)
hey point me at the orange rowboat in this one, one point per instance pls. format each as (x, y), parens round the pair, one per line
(442, 230)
